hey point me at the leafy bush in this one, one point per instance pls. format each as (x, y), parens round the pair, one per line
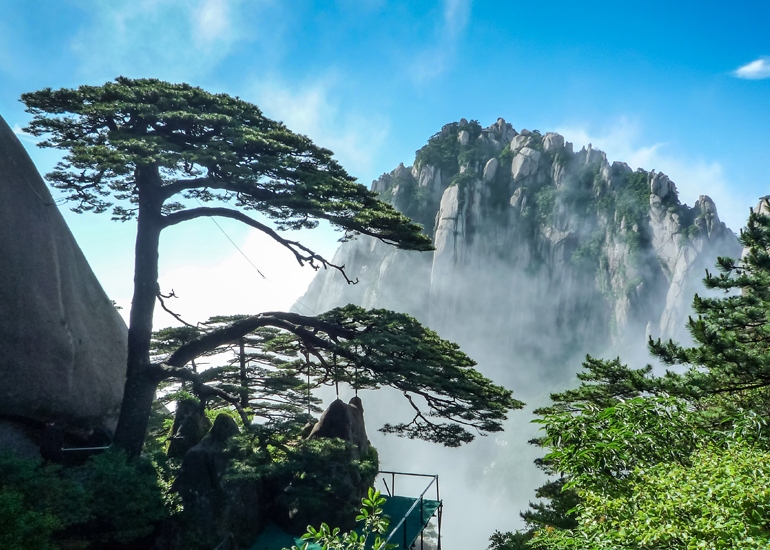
(123, 497)
(374, 523)
(720, 500)
(545, 199)
(443, 148)
(36, 501)
(105, 503)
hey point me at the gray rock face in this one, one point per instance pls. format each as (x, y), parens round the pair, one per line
(545, 257)
(345, 421)
(63, 344)
(490, 170)
(190, 426)
(219, 507)
(525, 163)
(552, 142)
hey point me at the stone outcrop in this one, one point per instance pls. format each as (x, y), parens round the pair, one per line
(345, 421)
(63, 343)
(190, 426)
(333, 483)
(542, 254)
(219, 508)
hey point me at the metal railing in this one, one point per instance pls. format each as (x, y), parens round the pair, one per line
(402, 523)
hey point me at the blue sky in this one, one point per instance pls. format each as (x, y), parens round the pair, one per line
(682, 87)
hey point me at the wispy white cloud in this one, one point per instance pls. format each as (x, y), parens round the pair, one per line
(212, 21)
(694, 176)
(456, 16)
(173, 39)
(758, 69)
(314, 109)
(434, 60)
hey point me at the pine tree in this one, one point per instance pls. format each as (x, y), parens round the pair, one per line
(150, 150)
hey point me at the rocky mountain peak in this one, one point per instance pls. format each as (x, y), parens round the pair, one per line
(541, 252)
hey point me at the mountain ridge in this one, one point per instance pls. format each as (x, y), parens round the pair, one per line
(543, 254)
(520, 221)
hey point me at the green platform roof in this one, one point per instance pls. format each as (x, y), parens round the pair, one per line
(396, 508)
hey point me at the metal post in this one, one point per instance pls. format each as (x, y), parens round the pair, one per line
(422, 524)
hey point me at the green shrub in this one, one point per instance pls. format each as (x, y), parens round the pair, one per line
(374, 523)
(124, 498)
(105, 503)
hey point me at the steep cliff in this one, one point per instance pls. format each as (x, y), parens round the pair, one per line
(542, 253)
(63, 357)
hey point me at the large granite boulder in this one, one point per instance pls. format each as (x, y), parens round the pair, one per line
(63, 344)
(345, 421)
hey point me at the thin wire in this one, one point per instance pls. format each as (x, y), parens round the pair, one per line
(232, 242)
(298, 302)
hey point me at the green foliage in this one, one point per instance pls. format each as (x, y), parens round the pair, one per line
(730, 355)
(518, 540)
(374, 523)
(393, 349)
(222, 147)
(589, 253)
(597, 447)
(314, 476)
(124, 497)
(462, 181)
(107, 502)
(633, 200)
(318, 468)
(369, 349)
(151, 150)
(36, 502)
(680, 460)
(720, 500)
(545, 199)
(443, 148)
(556, 507)
(505, 158)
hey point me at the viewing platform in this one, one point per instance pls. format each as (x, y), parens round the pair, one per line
(415, 521)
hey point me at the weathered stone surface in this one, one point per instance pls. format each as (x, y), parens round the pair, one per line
(190, 426)
(463, 137)
(63, 344)
(519, 261)
(519, 141)
(525, 163)
(531, 271)
(345, 421)
(553, 142)
(490, 169)
(23, 441)
(219, 508)
(661, 186)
